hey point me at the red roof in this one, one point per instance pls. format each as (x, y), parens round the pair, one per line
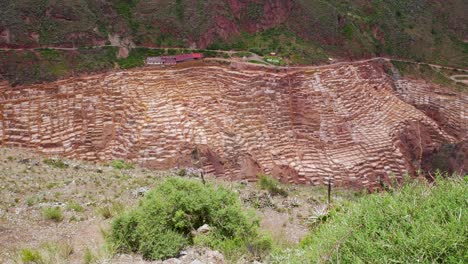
(190, 56)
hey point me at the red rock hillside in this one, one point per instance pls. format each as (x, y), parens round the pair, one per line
(350, 121)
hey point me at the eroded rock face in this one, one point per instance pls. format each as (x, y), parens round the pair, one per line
(349, 122)
(449, 110)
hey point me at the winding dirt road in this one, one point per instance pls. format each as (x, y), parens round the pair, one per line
(257, 57)
(461, 78)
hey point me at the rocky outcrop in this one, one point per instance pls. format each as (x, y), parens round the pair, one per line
(350, 122)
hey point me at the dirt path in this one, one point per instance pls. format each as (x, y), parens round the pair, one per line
(254, 57)
(230, 52)
(460, 78)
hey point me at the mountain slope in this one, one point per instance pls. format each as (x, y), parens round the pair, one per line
(307, 31)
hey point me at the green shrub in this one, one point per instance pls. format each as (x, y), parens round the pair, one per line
(166, 218)
(31, 256)
(273, 186)
(261, 247)
(131, 61)
(52, 213)
(182, 172)
(88, 256)
(419, 223)
(56, 163)
(49, 54)
(31, 200)
(74, 206)
(121, 165)
(54, 252)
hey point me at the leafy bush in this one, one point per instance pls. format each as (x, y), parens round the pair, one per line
(53, 213)
(167, 217)
(121, 165)
(420, 223)
(271, 185)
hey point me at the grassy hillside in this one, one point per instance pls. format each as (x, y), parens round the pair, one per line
(420, 30)
(299, 31)
(418, 223)
(426, 30)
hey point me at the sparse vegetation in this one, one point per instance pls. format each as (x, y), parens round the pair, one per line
(53, 213)
(57, 252)
(31, 256)
(112, 210)
(167, 217)
(88, 257)
(182, 172)
(121, 165)
(74, 206)
(31, 200)
(56, 163)
(32, 185)
(270, 184)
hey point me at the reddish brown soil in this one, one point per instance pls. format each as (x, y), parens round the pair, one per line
(349, 121)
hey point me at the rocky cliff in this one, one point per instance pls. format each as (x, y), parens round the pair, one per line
(352, 122)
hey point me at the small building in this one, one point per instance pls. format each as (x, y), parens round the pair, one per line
(168, 60)
(154, 61)
(172, 60)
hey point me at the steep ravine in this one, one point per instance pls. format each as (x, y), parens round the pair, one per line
(351, 122)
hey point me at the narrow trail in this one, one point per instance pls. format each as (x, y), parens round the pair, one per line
(461, 78)
(103, 46)
(339, 63)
